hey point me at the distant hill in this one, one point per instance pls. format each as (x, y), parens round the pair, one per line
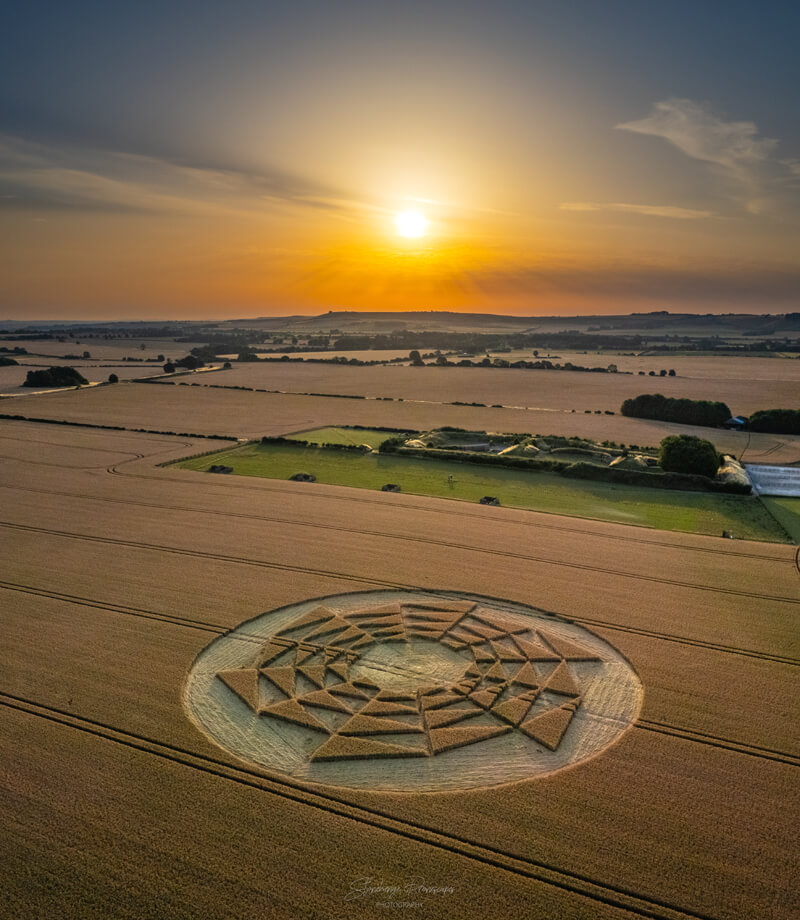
(351, 322)
(663, 322)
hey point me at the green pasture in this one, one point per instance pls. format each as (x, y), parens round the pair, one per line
(353, 436)
(692, 512)
(787, 513)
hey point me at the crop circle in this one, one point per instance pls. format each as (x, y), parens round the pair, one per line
(411, 691)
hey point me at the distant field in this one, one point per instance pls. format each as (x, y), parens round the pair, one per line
(698, 367)
(12, 378)
(537, 389)
(368, 354)
(681, 511)
(108, 350)
(251, 415)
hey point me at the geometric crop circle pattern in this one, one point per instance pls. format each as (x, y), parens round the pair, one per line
(413, 691)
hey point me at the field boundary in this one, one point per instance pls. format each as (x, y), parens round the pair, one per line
(263, 485)
(650, 496)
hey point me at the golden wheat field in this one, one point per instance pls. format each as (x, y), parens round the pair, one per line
(335, 584)
(742, 391)
(121, 573)
(181, 407)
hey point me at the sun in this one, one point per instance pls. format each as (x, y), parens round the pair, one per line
(411, 223)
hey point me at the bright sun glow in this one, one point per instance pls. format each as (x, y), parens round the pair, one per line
(410, 223)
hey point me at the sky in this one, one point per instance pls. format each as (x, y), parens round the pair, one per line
(217, 160)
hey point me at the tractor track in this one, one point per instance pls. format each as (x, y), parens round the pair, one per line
(572, 882)
(739, 747)
(242, 560)
(206, 626)
(274, 519)
(645, 724)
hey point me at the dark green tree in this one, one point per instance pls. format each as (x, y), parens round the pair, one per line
(684, 411)
(55, 377)
(776, 421)
(683, 453)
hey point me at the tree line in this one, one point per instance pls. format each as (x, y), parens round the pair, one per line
(775, 421)
(684, 411)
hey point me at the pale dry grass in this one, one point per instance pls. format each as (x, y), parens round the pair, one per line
(695, 367)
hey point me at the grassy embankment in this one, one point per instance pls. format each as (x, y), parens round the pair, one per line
(691, 512)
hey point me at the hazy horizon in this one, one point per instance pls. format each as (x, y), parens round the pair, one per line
(163, 318)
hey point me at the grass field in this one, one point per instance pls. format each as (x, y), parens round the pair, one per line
(666, 510)
(787, 512)
(354, 436)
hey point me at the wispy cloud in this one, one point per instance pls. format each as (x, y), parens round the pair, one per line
(733, 148)
(648, 210)
(46, 176)
(794, 170)
(693, 128)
